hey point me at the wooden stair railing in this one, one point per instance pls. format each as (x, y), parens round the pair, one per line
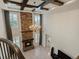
(8, 50)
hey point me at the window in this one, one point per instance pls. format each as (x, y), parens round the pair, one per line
(14, 23)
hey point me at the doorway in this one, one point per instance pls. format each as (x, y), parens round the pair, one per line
(37, 20)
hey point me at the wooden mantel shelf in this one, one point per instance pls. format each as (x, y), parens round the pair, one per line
(27, 40)
(25, 31)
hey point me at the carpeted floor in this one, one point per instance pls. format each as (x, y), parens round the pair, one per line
(37, 53)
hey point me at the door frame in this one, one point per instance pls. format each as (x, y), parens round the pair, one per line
(7, 24)
(40, 40)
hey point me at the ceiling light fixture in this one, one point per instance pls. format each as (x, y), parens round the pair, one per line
(34, 2)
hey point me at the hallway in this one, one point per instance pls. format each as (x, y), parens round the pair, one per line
(38, 53)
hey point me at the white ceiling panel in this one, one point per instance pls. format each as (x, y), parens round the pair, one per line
(13, 6)
(17, 0)
(50, 6)
(28, 8)
(65, 0)
(37, 2)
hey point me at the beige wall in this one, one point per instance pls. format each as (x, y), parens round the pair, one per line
(63, 25)
(2, 26)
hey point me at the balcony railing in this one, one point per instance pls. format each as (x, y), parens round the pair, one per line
(8, 50)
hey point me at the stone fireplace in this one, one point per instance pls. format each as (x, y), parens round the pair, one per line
(27, 34)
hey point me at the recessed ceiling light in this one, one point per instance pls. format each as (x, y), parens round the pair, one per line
(34, 2)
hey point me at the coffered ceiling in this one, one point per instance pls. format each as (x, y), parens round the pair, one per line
(34, 4)
(30, 2)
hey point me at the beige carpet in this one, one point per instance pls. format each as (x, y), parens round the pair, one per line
(37, 53)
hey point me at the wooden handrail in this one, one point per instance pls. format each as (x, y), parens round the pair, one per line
(13, 47)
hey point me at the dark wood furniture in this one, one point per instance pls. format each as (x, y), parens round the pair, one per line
(60, 55)
(53, 55)
(63, 55)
